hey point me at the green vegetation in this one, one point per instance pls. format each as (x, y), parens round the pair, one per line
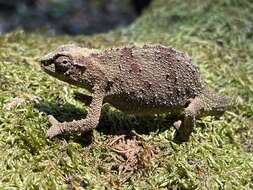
(218, 35)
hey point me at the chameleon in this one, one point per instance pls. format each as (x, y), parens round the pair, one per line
(145, 79)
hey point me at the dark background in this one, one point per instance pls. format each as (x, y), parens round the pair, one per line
(68, 16)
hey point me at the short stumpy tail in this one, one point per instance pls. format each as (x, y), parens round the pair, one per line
(215, 105)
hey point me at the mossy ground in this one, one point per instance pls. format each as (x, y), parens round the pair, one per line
(218, 35)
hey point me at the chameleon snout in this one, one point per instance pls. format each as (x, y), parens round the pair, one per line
(46, 60)
(46, 63)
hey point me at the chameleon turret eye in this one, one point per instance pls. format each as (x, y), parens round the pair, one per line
(65, 61)
(62, 63)
(62, 60)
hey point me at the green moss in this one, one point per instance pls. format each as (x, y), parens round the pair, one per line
(218, 35)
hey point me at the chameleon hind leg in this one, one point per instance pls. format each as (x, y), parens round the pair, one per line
(185, 127)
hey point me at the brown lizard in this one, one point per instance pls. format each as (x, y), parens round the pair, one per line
(141, 80)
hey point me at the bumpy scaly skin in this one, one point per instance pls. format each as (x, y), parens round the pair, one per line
(140, 80)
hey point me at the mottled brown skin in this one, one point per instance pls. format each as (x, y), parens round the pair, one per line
(140, 80)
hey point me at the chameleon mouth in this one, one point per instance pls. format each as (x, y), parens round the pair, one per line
(46, 60)
(48, 66)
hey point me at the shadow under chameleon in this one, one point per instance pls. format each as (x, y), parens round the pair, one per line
(112, 121)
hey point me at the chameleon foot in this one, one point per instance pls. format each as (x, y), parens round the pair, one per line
(55, 129)
(183, 131)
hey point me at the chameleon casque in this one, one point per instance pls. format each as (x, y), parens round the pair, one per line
(139, 79)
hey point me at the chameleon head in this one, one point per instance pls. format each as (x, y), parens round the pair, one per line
(67, 63)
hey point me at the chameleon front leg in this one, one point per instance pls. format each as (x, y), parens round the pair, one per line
(84, 98)
(83, 125)
(185, 127)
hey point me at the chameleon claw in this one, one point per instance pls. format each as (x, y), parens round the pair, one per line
(183, 131)
(55, 129)
(177, 124)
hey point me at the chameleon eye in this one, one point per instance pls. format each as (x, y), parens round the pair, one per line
(62, 64)
(65, 61)
(62, 60)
